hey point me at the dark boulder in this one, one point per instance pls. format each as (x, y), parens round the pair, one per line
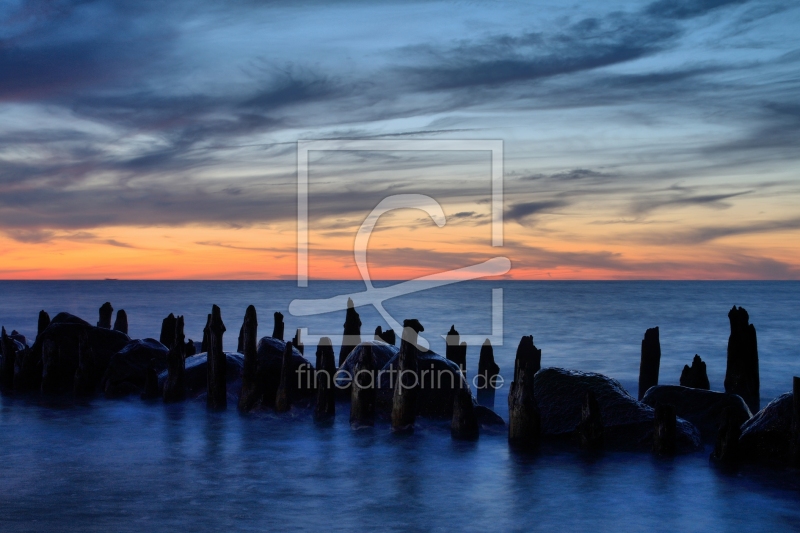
(703, 408)
(84, 383)
(741, 375)
(650, 361)
(382, 353)
(665, 430)
(767, 437)
(56, 373)
(127, 370)
(726, 447)
(283, 397)
(270, 362)
(627, 423)
(196, 375)
(695, 376)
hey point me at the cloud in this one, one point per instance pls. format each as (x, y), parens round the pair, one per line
(681, 197)
(519, 212)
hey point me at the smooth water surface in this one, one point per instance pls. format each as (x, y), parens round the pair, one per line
(134, 466)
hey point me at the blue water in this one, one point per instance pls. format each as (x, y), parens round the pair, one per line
(130, 466)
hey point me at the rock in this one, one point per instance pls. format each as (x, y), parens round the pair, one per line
(726, 448)
(524, 419)
(386, 336)
(84, 383)
(44, 321)
(105, 316)
(56, 373)
(127, 370)
(326, 368)
(488, 418)
(703, 408)
(741, 376)
(270, 363)
(456, 350)
(627, 423)
(464, 425)
(121, 323)
(362, 392)
(217, 362)
(66, 318)
(196, 375)
(404, 397)
(167, 337)
(283, 397)
(248, 336)
(665, 429)
(767, 437)
(352, 332)
(9, 351)
(590, 428)
(174, 386)
(650, 362)
(695, 376)
(382, 353)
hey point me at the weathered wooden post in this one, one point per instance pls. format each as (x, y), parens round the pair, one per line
(741, 376)
(406, 389)
(249, 334)
(362, 393)
(650, 362)
(105, 316)
(217, 363)
(326, 368)
(283, 401)
(175, 385)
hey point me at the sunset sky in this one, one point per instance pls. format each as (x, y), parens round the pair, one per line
(157, 140)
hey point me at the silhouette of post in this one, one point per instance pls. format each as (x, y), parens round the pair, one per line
(277, 329)
(249, 335)
(741, 376)
(105, 316)
(283, 397)
(44, 321)
(590, 428)
(524, 420)
(121, 322)
(167, 337)
(216, 362)
(406, 389)
(352, 332)
(326, 368)
(83, 384)
(650, 362)
(695, 376)
(175, 385)
(9, 351)
(362, 393)
(464, 425)
(487, 375)
(665, 430)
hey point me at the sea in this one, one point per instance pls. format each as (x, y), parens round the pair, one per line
(128, 465)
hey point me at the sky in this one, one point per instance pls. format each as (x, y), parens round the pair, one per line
(158, 140)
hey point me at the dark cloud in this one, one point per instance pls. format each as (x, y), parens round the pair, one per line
(681, 197)
(684, 9)
(705, 234)
(518, 212)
